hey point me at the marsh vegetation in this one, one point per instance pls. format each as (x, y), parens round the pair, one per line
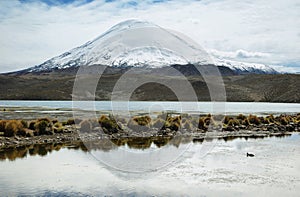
(163, 125)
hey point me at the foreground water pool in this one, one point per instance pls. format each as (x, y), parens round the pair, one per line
(224, 170)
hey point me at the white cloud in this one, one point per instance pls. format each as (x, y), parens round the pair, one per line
(259, 30)
(238, 54)
(246, 54)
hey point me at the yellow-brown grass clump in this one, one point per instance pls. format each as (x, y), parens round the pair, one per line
(2, 125)
(31, 125)
(227, 119)
(270, 118)
(58, 127)
(253, 119)
(24, 123)
(283, 120)
(71, 121)
(241, 117)
(298, 118)
(173, 123)
(14, 127)
(109, 124)
(44, 126)
(140, 123)
(202, 124)
(246, 122)
(142, 120)
(205, 121)
(233, 122)
(11, 128)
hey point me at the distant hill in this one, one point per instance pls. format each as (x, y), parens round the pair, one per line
(58, 85)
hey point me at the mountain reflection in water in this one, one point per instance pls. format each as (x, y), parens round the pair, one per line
(106, 145)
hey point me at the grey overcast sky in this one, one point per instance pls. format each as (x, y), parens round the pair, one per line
(251, 30)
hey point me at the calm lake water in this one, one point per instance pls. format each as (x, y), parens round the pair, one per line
(223, 171)
(136, 168)
(141, 106)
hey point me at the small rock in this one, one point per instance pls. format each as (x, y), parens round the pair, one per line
(236, 127)
(170, 134)
(243, 127)
(256, 129)
(264, 128)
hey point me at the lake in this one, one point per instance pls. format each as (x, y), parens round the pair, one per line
(182, 167)
(224, 170)
(147, 106)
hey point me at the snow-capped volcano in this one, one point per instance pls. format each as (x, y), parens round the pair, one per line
(118, 47)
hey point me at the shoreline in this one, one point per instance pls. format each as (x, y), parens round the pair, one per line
(75, 138)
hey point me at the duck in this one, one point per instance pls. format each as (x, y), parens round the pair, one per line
(250, 154)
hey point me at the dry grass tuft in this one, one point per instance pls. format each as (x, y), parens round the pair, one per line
(44, 126)
(254, 119)
(13, 127)
(109, 124)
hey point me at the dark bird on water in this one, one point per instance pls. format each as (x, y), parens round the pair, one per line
(250, 155)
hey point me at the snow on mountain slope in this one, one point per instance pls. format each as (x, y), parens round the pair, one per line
(244, 67)
(150, 56)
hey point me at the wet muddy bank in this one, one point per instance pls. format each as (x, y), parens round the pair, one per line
(96, 140)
